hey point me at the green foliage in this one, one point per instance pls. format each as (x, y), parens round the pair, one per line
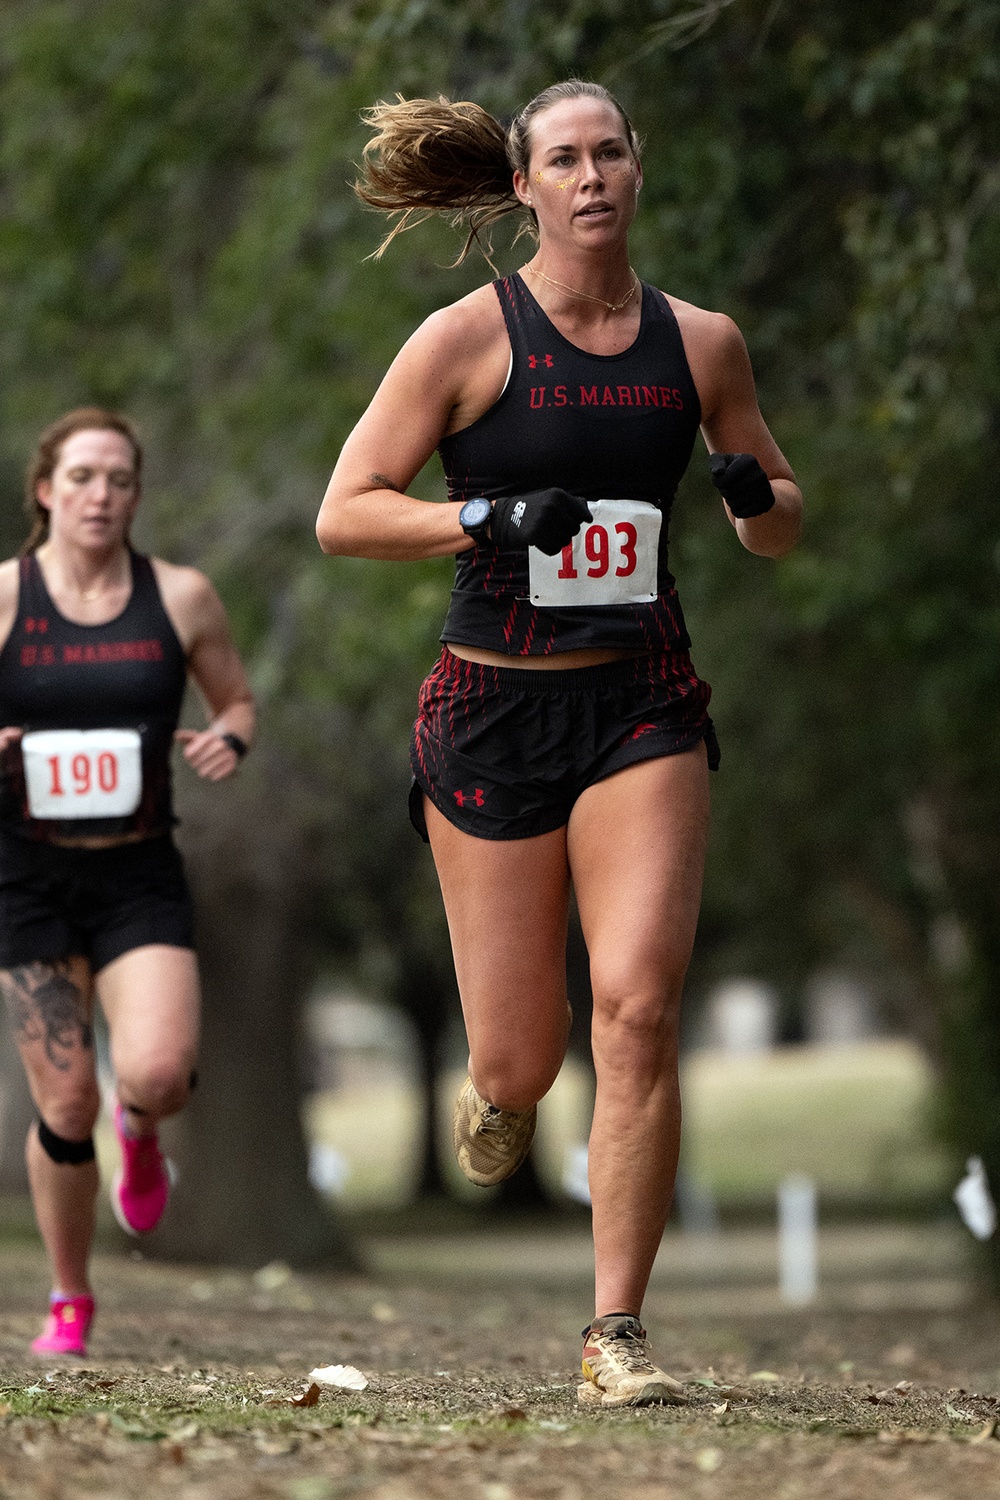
(177, 236)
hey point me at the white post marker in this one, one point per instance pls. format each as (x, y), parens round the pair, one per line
(797, 1257)
(975, 1201)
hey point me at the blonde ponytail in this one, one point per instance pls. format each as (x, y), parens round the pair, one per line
(432, 156)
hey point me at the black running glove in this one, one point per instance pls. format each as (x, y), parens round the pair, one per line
(546, 519)
(742, 482)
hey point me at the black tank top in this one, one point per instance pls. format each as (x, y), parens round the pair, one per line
(129, 673)
(603, 426)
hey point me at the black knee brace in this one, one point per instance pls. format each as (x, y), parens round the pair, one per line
(68, 1153)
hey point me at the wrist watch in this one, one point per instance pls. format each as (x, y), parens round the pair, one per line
(474, 517)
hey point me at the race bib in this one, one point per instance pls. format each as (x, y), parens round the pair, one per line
(82, 773)
(610, 561)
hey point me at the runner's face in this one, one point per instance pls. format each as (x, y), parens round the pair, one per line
(93, 492)
(582, 177)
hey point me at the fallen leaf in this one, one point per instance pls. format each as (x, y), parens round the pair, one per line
(309, 1397)
(341, 1377)
(958, 1414)
(766, 1375)
(904, 1387)
(880, 1398)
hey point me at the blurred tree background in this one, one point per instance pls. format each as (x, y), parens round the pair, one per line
(177, 238)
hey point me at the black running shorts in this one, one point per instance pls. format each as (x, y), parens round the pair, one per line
(97, 903)
(504, 752)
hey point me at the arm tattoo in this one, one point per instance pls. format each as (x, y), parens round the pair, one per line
(383, 482)
(46, 1006)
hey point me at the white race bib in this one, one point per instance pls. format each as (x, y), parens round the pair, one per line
(610, 561)
(82, 773)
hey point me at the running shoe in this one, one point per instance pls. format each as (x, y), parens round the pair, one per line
(142, 1183)
(619, 1370)
(490, 1143)
(66, 1326)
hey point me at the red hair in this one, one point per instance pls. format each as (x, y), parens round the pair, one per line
(49, 447)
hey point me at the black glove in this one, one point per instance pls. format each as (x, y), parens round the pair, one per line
(742, 482)
(546, 519)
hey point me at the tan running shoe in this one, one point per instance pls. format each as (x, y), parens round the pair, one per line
(490, 1143)
(619, 1370)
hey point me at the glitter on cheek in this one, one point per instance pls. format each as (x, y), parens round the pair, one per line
(538, 176)
(567, 182)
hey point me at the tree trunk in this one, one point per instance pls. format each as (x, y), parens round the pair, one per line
(429, 1003)
(16, 1114)
(244, 1197)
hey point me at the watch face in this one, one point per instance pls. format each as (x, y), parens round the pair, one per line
(475, 513)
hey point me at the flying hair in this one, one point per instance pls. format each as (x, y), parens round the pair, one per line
(436, 156)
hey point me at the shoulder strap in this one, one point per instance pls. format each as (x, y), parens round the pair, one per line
(32, 596)
(518, 309)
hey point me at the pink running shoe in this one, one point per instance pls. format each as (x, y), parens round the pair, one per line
(142, 1183)
(66, 1326)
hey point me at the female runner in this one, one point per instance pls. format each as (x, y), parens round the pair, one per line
(563, 735)
(97, 643)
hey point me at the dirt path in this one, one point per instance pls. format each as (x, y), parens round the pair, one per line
(472, 1393)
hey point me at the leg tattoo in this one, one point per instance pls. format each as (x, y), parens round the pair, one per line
(47, 1006)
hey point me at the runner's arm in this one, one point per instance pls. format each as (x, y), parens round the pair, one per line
(366, 512)
(215, 668)
(732, 423)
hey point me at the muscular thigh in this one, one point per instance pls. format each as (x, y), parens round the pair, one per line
(636, 844)
(506, 901)
(50, 1006)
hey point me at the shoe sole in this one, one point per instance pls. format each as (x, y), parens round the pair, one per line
(653, 1393)
(116, 1208)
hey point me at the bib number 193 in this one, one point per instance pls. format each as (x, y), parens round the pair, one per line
(611, 560)
(82, 773)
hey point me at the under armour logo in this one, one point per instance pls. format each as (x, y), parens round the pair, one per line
(517, 514)
(533, 361)
(474, 799)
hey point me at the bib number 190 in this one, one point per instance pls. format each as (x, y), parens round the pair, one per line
(82, 773)
(86, 771)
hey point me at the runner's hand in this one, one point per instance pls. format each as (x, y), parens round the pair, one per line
(546, 519)
(742, 483)
(207, 753)
(9, 736)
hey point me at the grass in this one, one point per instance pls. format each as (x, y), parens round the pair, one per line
(852, 1118)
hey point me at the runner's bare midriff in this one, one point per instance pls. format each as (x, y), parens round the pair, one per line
(104, 841)
(595, 656)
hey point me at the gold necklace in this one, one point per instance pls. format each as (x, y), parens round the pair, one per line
(588, 296)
